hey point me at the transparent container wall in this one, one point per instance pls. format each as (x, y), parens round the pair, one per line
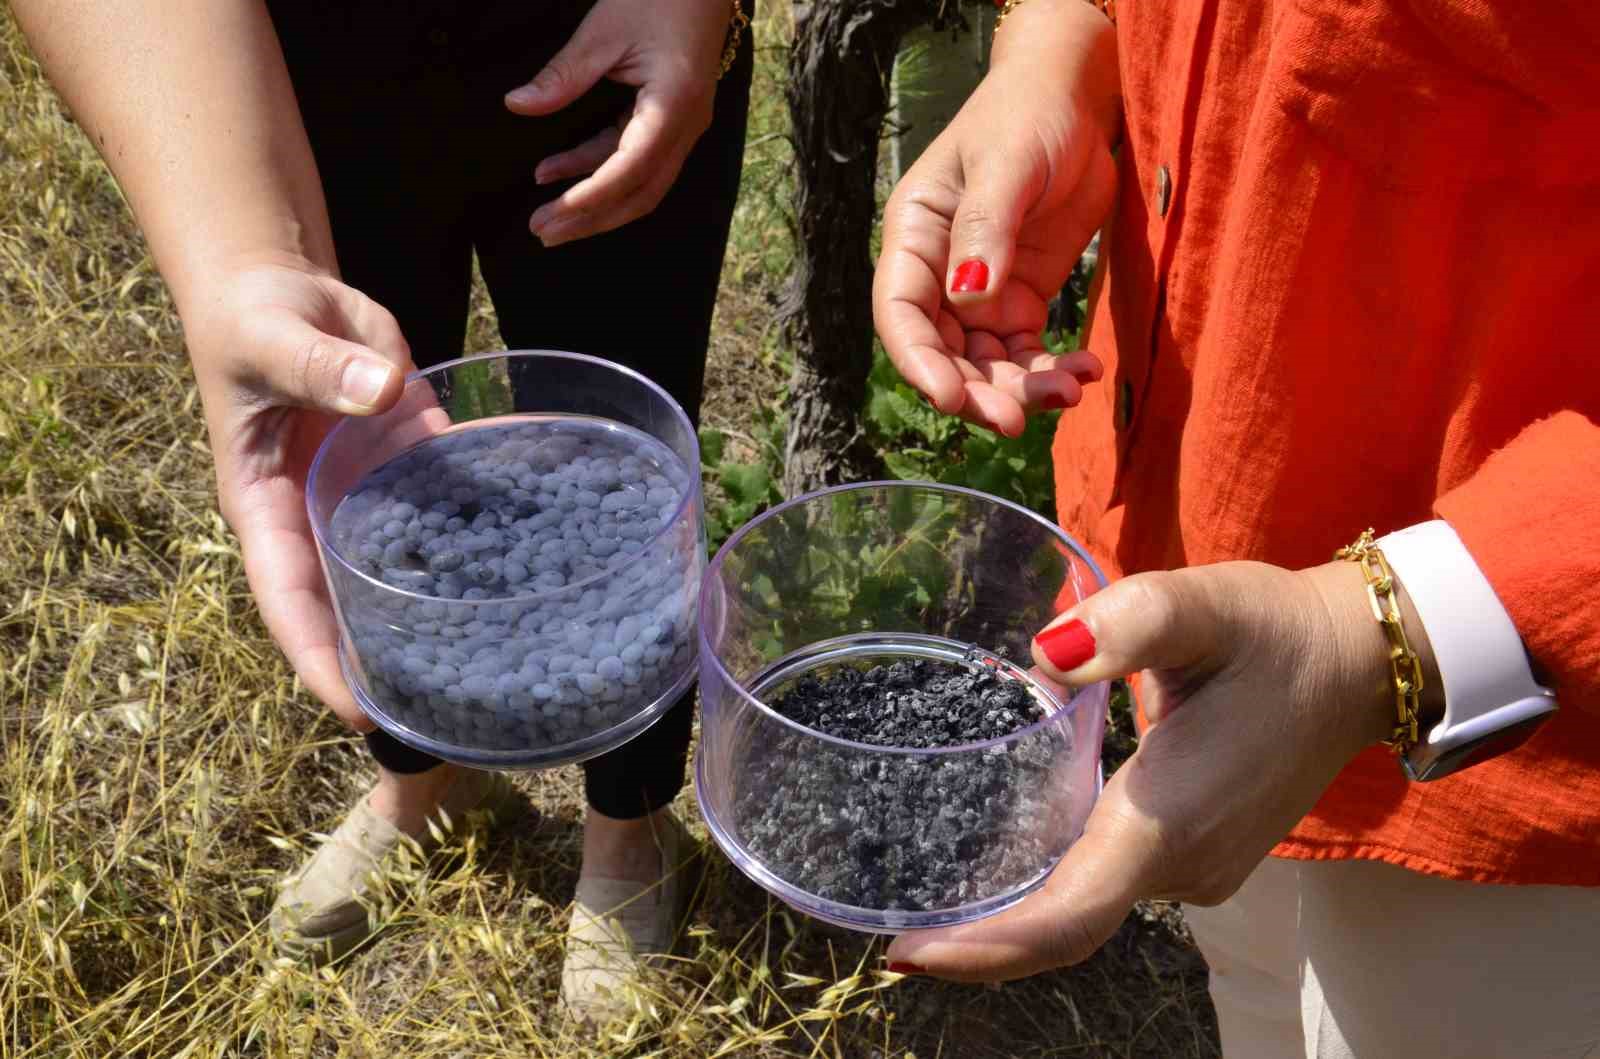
(580, 654)
(865, 836)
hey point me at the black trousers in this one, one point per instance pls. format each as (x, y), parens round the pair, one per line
(422, 165)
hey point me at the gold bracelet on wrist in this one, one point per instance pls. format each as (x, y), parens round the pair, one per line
(1107, 8)
(1403, 661)
(736, 28)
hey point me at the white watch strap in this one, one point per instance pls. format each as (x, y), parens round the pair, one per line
(1481, 660)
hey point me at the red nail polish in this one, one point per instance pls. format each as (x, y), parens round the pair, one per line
(906, 968)
(1054, 400)
(970, 278)
(1067, 646)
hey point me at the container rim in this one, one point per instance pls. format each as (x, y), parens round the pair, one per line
(690, 495)
(708, 656)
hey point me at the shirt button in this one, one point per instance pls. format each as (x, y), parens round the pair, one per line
(1163, 190)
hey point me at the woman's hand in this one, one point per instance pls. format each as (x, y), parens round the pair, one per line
(280, 350)
(984, 230)
(1260, 684)
(671, 51)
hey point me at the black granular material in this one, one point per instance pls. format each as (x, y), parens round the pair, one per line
(906, 831)
(915, 702)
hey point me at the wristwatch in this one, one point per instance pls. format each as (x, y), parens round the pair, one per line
(1492, 703)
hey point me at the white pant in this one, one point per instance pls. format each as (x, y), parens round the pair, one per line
(1336, 959)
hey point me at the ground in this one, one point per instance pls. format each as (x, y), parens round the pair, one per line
(161, 768)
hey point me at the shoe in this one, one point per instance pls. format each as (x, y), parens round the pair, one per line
(319, 916)
(618, 924)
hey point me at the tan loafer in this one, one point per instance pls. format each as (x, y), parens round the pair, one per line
(319, 916)
(618, 924)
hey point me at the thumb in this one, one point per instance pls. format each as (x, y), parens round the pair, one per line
(983, 234)
(1160, 621)
(325, 372)
(288, 360)
(570, 73)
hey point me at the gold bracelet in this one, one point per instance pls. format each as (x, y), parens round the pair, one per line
(736, 27)
(1107, 8)
(1403, 661)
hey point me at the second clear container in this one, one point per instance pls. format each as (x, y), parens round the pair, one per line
(881, 838)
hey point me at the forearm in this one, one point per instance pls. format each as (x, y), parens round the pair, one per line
(191, 106)
(1067, 43)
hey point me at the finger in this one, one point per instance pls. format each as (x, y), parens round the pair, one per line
(1047, 391)
(1160, 620)
(1026, 349)
(280, 561)
(1082, 904)
(585, 223)
(905, 304)
(1036, 391)
(572, 71)
(992, 409)
(1080, 364)
(983, 234)
(650, 151)
(582, 159)
(950, 330)
(318, 370)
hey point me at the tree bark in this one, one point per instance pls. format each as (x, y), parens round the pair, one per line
(838, 96)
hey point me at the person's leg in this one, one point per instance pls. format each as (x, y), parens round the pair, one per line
(1251, 944)
(1400, 963)
(643, 296)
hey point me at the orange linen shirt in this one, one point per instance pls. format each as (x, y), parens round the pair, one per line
(1352, 278)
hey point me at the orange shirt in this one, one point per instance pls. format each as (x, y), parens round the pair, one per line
(1353, 278)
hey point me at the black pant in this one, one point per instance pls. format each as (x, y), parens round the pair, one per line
(423, 165)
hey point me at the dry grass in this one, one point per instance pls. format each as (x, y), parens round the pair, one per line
(161, 768)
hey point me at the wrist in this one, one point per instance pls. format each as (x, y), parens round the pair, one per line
(203, 279)
(1073, 45)
(1358, 653)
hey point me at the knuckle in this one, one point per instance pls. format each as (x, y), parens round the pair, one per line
(1153, 598)
(559, 72)
(976, 216)
(309, 365)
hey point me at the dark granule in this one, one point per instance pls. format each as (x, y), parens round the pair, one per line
(912, 832)
(917, 703)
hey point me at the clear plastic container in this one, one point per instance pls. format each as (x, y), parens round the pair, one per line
(584, 636)
(877, 838)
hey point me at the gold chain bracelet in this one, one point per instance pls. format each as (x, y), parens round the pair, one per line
(736, 28)
(1403, 661)
(1107, 8)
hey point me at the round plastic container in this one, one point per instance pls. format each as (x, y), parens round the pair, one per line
(876, 838)
(579, 481)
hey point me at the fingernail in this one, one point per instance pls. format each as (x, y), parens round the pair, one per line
(1054, 400)
(1067, 646)
(522, 97)
(906, 968)
(363, 380)
(971, 277)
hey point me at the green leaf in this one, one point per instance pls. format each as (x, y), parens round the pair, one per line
(712, 444)
(746, 483)
(905, 466)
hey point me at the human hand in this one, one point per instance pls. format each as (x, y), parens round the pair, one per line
(280, 351)
(1259, 684)
(984, 230)
(671, 52)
